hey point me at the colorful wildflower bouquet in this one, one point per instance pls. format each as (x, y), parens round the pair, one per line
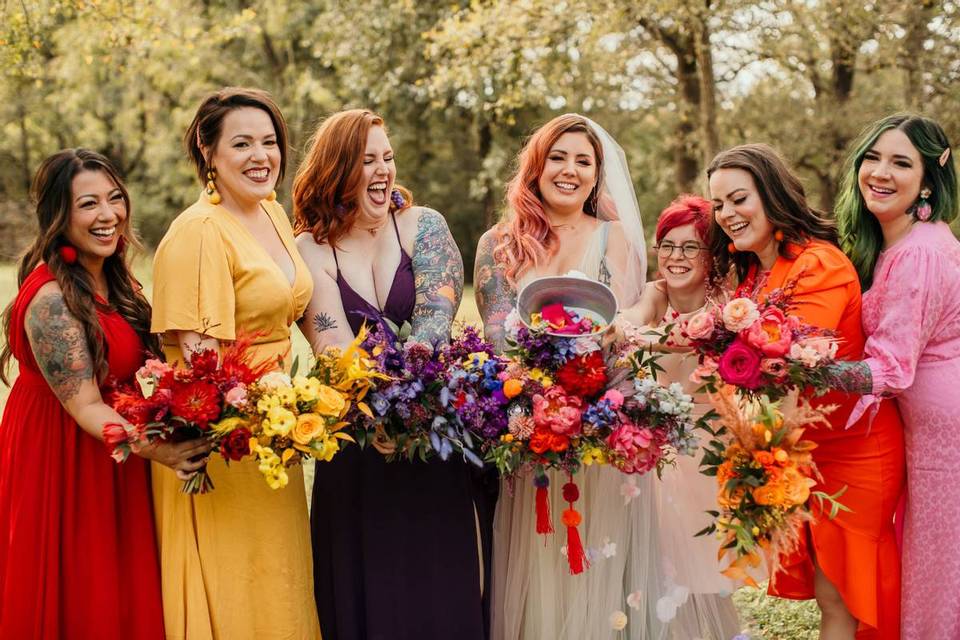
(753, 343)
(434, 400)
(765, 473)
(286, 419)
(181, 403)
(576, 401)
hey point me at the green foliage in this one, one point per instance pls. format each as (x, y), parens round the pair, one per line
(769, 618)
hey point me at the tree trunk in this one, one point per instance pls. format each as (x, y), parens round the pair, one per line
(710, 138)
(919, 15)
(484, 145)
(685, 158)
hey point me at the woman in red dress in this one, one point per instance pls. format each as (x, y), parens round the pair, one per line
(764, 228)
(78, 555)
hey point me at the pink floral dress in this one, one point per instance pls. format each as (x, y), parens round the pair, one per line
(911, 316)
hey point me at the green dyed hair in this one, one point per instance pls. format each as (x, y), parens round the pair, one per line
(860, 235)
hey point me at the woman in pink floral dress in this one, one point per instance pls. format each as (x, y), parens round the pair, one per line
(899, 193)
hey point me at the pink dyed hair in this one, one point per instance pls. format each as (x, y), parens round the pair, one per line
(685, 209)
(525, 239)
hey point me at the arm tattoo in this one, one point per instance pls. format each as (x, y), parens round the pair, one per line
(850, 376)
(495, 297)
(438, 278)
(59, 345)
(323, 322)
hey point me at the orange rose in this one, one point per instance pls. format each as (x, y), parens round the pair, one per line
(732, 500)
(764, 458)
(308, 427)
(796, 486)
(771, 494)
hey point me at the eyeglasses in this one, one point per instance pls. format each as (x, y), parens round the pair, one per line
(687, 249)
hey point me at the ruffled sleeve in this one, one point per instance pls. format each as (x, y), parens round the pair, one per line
(193, 287)
(823, 278)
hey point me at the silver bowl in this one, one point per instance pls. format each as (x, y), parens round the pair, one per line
(588, 298)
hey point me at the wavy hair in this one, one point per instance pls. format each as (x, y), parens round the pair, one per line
(52, 193)
(524, 236)
(329, 183)
(784, 203)
(860, 235)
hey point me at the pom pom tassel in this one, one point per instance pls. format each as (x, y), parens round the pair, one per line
(544, 523)
(576, 557)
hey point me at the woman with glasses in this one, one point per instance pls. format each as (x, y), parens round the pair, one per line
(692, 605)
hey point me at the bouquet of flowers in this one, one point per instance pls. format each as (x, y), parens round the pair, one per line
(754, 344)
(180, 404)
(765, 476)
(434, 400)
(284, 419)
(576, 401)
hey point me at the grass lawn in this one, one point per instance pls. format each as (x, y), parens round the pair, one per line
(764, 618)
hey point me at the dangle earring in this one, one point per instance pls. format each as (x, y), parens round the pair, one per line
(68, 253)
(397, 199)
(922, 209)
(731, 248)
(272, 196)
(778, 235)
(212, 194)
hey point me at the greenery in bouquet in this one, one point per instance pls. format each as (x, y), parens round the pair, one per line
(765, 479)
(434, 400)
(754, 343)
(181, 403)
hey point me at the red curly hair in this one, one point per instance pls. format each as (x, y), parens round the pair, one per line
(525, 238)
(329, 183)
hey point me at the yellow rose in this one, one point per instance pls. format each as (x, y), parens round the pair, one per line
(279, 421)
(306, 388)
(329, 401)
(309, 426)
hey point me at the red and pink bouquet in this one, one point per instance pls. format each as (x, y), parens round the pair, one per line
(752, 342)
(176, 404)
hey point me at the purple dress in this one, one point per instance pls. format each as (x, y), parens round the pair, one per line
(911, 316)
(395, 551)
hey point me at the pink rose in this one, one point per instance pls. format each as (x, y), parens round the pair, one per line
(706, 369)
(700, 326)
(740, 365)
(776, 367)
(614, 397)
(237, 396)
(770, 333)
(740, 313)
(557, 411)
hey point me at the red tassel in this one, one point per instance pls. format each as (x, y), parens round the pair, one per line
(544, 523)
(576, 557)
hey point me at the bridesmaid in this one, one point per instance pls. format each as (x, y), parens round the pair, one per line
(682, 494)
(77, 554)
(563, 216)
(236, 561)
(764, 228)
(395, 544)
(898, 196)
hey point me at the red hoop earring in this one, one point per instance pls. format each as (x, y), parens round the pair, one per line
(731, 248)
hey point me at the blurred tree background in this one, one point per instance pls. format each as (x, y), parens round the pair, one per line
(462, 83)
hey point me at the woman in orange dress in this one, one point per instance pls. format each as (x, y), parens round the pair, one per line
(764, 228)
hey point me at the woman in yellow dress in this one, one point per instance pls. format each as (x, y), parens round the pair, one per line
(235, 562)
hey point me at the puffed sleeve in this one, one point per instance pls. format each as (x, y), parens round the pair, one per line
(823, 278)
(908, 321)
(193, 281)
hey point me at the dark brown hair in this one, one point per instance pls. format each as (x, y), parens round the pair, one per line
(784, 202)
(329, 183)
(207, 124)
(52, 193)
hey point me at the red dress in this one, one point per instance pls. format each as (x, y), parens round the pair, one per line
(78, 555)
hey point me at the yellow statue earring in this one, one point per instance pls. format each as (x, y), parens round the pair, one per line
(212, 194)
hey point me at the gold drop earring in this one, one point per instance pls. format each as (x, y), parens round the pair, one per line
(212, 194)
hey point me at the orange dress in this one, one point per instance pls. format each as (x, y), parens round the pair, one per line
(857, 550)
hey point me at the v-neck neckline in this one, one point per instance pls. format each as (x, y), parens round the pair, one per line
(263, 249)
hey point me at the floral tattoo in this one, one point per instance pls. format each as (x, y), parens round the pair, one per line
(323, 322)
(850, 376)
(438, 279)
(59, 345)
(495, 297)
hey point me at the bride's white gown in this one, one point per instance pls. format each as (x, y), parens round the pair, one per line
(634, 548)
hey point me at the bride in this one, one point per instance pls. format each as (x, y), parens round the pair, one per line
(571, 207)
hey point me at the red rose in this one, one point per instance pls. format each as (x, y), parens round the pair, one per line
(740, 365)
(114, 434)
(236, 444)
(583, 376)
(197, 402)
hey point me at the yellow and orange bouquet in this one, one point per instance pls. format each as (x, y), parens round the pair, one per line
(284, 419)
(765, 476)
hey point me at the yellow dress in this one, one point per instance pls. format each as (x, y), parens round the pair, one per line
(236, 562)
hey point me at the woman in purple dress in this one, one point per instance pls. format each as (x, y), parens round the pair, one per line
(899, 194)
(395, 544)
